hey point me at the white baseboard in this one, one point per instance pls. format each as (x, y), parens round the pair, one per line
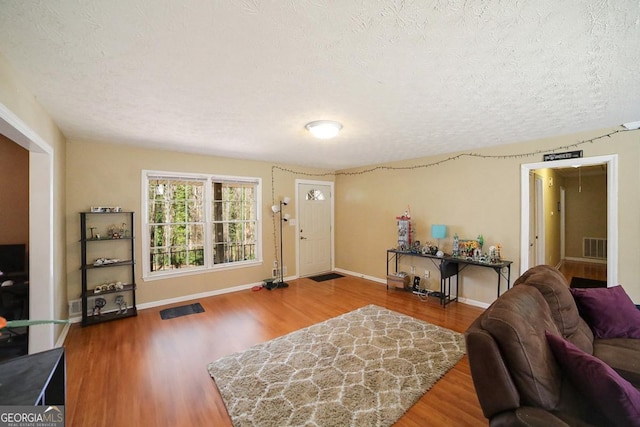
(473, 302)
(189, 297)
(362, 276)
(199, 295)
(592, 260)
(63, 335)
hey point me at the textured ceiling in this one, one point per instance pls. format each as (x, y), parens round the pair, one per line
(241, 78)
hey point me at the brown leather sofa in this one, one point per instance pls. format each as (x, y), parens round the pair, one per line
(517, 379)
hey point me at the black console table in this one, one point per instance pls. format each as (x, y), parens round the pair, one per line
(33, 380)
(450, 267)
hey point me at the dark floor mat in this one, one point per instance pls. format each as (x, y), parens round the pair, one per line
(581, 282)
(328, 276)
(183, 310)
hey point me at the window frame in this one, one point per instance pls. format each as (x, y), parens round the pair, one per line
(208, 266)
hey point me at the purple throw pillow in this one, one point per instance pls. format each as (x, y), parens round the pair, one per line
(611, 394)
(608, 311)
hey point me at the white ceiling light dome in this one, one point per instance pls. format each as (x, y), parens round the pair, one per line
(324, 129)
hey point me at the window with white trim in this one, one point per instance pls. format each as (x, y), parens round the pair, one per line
(197, 222)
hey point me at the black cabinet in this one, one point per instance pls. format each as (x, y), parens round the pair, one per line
(107, 266)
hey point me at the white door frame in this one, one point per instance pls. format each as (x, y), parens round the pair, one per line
(331, 185)
(611, 161)
(563, 225)
(540, 240)
(41, 268)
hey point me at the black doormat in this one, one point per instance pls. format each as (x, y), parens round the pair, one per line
(328, 276)
(183, 310)
(581, 282)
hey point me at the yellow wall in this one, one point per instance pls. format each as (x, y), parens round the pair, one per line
(14, 193)
(551, 182)
(471, 195)
(588, 210)
(111, 175)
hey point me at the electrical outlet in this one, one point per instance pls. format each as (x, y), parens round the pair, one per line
(427, 274)
(276, 272)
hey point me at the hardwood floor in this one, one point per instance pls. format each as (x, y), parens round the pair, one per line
(145, 371)
(587, 270)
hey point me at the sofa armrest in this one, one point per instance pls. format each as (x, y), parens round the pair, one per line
(494, 386)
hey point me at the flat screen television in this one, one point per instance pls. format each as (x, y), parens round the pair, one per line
(13, 258)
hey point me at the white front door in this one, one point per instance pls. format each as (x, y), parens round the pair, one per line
(315, 224)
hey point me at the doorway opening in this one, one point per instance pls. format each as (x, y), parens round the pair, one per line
(527, 234)
(41, 268)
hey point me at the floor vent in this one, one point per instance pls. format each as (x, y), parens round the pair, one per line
(594, 247)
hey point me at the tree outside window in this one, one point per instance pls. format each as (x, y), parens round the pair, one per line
(201, 222)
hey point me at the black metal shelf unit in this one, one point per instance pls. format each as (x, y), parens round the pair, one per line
(128, 289)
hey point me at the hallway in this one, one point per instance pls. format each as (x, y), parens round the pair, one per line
(587, 270)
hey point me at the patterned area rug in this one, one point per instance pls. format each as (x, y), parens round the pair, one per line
(363, 368)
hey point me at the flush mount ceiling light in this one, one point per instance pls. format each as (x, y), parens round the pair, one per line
(324, 129)
(632, 125)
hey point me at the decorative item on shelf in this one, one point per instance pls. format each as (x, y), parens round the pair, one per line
(109, 286)
(101, 209)
(122, 304)
(91, 229)
(277, 209)
(99, 305)
(114, 232)
(429, 249)
(416, 248)
(480, 241)
(123, 230)
(456, 245)
(105, 261)
(493, 254)
(467, 248)
(404, 231)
